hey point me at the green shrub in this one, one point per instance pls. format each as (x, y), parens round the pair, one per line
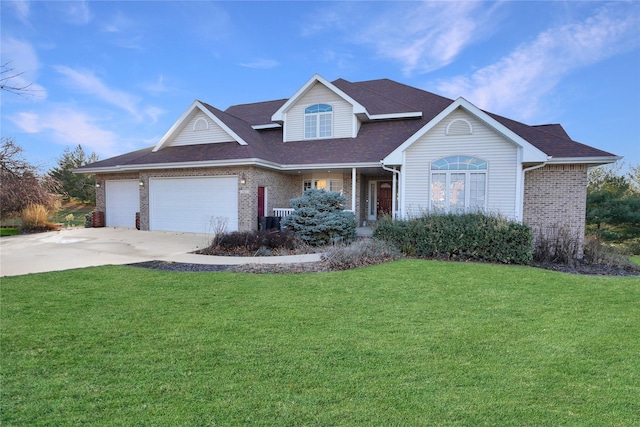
(319, 218)
(470, 236)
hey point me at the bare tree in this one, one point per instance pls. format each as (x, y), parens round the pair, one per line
(8, 82)
(20, 184)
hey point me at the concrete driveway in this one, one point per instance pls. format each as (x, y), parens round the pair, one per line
(86, 247)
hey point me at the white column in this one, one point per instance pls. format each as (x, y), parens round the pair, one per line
(394, 195)
(353, 190)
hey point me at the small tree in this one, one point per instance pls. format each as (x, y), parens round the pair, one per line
(319, 218)
(613, 200)
(20, 185)
(79, 186)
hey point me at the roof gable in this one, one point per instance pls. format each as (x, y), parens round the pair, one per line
(191, 112)
(279, 115)
(530, 153)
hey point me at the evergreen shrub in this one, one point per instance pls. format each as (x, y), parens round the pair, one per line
(319, 218)
(470, 237)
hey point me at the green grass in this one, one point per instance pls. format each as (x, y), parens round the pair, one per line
(405, 343)
(635, 259)
(9, 232)
(75, 208)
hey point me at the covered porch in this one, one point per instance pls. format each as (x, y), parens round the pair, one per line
(371, 192)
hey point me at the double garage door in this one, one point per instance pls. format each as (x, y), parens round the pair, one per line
(196, 205)
(190, 204)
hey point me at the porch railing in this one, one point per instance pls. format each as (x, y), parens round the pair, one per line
(282, 212)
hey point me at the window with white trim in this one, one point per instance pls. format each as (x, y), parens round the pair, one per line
(323, 184)
(318, 121)
(458, 184)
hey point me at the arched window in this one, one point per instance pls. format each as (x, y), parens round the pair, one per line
(318, 121)
(458, 184)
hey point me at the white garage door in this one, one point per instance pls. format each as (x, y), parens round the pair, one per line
(193, 204)
(123, 201)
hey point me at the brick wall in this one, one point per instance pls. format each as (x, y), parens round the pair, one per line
(555, 200)
(281, 188)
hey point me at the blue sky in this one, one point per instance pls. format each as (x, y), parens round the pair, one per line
(114, 76)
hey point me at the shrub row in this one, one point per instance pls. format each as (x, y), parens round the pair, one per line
(470, 236)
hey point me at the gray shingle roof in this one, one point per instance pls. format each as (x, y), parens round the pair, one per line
(375, 140)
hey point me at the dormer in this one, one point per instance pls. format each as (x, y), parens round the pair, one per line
(319, 110)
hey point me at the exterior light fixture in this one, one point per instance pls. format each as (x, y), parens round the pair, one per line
(243, 180)
(141, 183)
(97, 184)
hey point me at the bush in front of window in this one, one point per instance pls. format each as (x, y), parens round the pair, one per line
(465, 237)
(319, 218)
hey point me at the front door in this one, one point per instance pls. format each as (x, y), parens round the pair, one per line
(261, 202)
(384, 200)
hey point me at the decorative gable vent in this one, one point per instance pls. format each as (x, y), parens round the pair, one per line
(459, 127)
(201, 124)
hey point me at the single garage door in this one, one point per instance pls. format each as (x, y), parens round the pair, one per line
(122, 198)
(193, 204)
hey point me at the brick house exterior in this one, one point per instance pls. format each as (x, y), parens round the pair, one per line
(388, 147)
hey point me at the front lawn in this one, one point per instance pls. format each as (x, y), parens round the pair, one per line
(9, 231)
(410, 342)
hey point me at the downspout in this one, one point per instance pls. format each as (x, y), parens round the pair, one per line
(396, 173)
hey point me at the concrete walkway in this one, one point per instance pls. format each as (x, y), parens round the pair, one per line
(86, 247)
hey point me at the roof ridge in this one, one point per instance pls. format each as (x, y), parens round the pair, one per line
(381, 95)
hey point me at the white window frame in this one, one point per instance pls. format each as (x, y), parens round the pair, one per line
(455, 172)
(315, 122)
(328, 184)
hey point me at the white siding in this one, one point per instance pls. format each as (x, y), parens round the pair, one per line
(485, 143)
(343, 119)
(189, 136)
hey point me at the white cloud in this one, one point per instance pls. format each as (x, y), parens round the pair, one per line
(77, 12)
(87, 82)
(69, 127)
(22, 9)
(157, 87)
(261, 63)
(124, 32)
(517, 83)
(23, 66)
(426, 36)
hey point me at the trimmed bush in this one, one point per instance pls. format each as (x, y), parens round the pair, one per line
(319, 218)
(468, 237)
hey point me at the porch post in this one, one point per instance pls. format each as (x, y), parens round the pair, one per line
(353, 190)
(393, 195)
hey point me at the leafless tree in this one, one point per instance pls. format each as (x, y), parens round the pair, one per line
(20, 184)
(8, 82)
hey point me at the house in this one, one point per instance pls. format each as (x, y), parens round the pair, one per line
(388, 147)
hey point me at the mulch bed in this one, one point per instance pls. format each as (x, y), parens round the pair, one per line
(315, 267)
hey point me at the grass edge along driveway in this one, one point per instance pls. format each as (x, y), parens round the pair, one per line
(405, 343)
